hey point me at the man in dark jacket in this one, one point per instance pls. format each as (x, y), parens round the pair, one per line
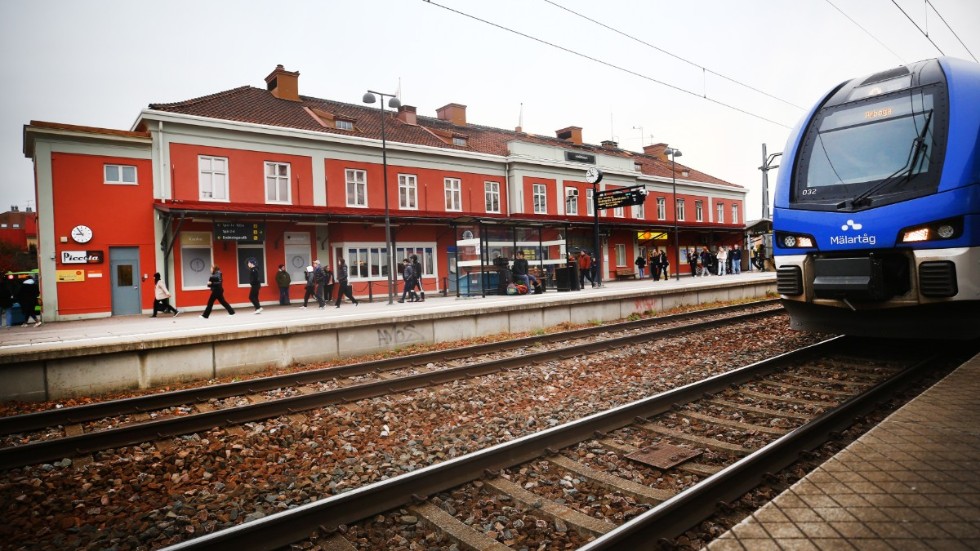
(6, 300)
(27, 298)
(283, 280)
(254, 282)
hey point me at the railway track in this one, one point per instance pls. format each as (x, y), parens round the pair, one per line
(61, 433)
(565, 484)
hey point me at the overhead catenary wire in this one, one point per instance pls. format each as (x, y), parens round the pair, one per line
(673, 55)
(608, 64)
(943, 19)
(921, 30)
(867, 32)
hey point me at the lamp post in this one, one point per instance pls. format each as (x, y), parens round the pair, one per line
(674, 153)
(389, 252)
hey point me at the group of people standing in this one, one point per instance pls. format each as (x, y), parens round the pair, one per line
(25, 294)
(724, 261)
(412, 280)
(320, 282)
(659, 265)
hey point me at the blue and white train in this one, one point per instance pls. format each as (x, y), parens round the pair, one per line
(876, 215)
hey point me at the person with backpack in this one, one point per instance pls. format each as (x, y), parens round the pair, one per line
(310, 286)
(344, 289)
(664, 264)
(27, 296)
(417, 275)
(319, 280)
(408, 276)
(640, 264)
(216, 283)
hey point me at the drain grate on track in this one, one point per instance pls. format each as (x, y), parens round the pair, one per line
(662, 455)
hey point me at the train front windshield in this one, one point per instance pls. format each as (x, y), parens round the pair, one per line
(870, 152)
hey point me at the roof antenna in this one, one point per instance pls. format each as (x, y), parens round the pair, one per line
(520, 119)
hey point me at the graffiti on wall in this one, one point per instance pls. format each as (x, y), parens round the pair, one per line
(399, 335)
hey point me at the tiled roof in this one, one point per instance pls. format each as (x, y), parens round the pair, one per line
(257, 106)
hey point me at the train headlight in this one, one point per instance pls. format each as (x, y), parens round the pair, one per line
(934, 231)
(795, 240)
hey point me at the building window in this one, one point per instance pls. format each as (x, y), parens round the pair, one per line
(679, 215)
(277, 183)
(639, 211)
(571, 200)
(297, 250)
(454, 194)
(459, 141)
(344, 125)
(408, 192)
(621, 260)
(492, 196)
(720, 208)
(590, 201)
(213, 178)
(619, 212)
(255, 252)
(735, 214)
(661, 208)
(699, 211)
(195, 260)
(120, 174)
(540, 195)
(366, 262)
(356, 188)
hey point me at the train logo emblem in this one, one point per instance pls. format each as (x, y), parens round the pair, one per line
(852, 224)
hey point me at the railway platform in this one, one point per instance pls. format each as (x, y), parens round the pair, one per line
(86, 357)
(912, 482)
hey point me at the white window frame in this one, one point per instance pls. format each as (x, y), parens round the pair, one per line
(203, 243)
(491, 196)
(734, 213)
(453, 188)
(209, 177)
(298, 255)
(621, 255)
(276, 179)
(120, 178)
(590, 201)
(571, 201)
(408, 192)
(356, 187)
(539, 195)
(720, 212)
(425, 252)
(699, 211)
(619, 212)
(343, 125)
(461, 142)
(661, 208)
(679, 210)
(639, 211)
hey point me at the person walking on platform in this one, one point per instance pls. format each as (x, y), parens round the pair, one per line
(655, 265)
(640, 264)
(408, 287)
(705, 263)
(584, 269)
(255, 284)
(319, 280)
(27, 298)
(282, 281)
(310, 288)
(417, 275)
(692, 260)
(344, 289)
(328, 284)
(161, 296)
(216, 283)
(664, 264)
(722, 260)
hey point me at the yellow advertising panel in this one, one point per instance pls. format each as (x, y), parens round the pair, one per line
(651, 236)
(67, 276)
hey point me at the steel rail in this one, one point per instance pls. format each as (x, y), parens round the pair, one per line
(286, 527)
(685, 510)
(50, 450)
(65, 416)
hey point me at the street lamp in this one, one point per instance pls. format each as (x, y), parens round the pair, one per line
(389, 252)
(674, 153)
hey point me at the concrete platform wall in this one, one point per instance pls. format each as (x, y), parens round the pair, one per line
(138, 365)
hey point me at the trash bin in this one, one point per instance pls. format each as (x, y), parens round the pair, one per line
(563, 279)
(15, 316)
(575, 277)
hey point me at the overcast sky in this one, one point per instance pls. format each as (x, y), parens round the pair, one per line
(98, 63)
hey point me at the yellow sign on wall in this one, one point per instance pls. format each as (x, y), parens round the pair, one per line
(651, 236)
(65, 276)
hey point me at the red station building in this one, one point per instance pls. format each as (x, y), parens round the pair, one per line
(284, 178)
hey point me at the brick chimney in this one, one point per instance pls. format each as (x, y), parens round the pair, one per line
(656, 150)
(572, 134)
(453, 112)
(609, 144)
(406, 114)
(283, 84)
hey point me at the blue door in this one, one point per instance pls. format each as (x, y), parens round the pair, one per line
(124, 264)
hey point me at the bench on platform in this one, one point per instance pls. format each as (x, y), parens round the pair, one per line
(625, 273)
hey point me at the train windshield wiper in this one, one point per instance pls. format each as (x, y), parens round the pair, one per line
(901, 175)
